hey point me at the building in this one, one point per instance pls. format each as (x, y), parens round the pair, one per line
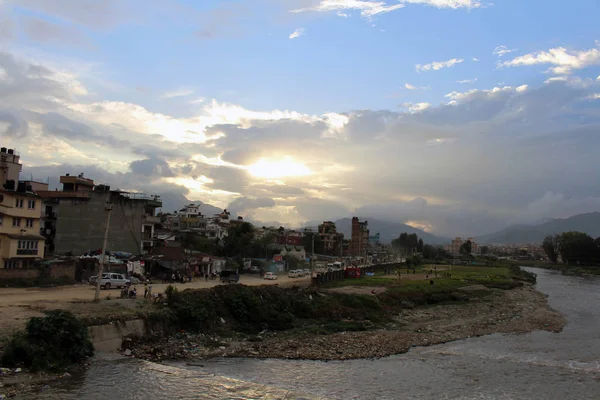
(331, 239)
(77, 216)
(454, 246)
(74, 189)
(289, 237)
(359, 243)
(293, 251)
(20, 241)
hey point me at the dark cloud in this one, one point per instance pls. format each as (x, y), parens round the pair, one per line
(151, 167)
(241, 204)
(15, 125)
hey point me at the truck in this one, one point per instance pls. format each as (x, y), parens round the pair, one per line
(228, 276)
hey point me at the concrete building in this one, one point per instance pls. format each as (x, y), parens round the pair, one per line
(331, 239)
(294, 251)
(454, 246)
(75, 189)
(289, 237)
(359, 243)
(20, 240)
(78, 218)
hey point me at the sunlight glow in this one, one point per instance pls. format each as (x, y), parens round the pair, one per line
(273, 169)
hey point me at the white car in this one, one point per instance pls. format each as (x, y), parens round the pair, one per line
(292, 274)
(270, 276)
(300, 273)
(111, 279)
(307, 272)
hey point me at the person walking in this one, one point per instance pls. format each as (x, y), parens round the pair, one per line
(150, 290)
(145, 289)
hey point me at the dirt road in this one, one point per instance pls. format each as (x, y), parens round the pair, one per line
(18, 305)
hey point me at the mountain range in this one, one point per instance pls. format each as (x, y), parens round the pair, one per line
(521, 234)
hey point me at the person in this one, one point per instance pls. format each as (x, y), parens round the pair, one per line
(145, 289)
(150, 289)
(206, 277)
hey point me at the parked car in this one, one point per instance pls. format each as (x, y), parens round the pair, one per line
(229, 276)
(292, 274)
(109, 280)
(307, 272)
(133, 280)
(270, 276)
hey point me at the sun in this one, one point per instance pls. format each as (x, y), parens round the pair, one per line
(273, 169)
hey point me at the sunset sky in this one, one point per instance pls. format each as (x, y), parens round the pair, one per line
(457, 116)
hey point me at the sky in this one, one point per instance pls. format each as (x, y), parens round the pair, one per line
(459, 117)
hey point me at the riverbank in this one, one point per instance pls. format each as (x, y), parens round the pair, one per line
(568, 270)
(361, 321)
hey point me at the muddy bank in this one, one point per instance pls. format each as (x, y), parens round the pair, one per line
(513, 311)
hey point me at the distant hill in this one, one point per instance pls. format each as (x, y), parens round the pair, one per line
(516, 234)
(387, 230)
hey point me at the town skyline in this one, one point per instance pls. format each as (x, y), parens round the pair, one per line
(429, 113)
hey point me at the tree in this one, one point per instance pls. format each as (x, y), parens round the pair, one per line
(406, 243)
(484, 250)
(577, 248)
(466, 248)
(420, 246)
(551, 247)
(307, 242)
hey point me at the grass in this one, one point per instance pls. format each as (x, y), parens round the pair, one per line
(461, 276)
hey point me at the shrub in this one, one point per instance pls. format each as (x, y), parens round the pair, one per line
(53, 342)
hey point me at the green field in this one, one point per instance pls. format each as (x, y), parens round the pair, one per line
(501, 277)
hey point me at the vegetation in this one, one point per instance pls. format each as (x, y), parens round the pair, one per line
(574, 248)
(49, 343)
(248, 310)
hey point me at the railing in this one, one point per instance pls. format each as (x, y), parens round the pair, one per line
(49, 194)
(26, 252)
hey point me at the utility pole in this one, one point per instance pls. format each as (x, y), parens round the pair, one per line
(108, 207)
(312, 258)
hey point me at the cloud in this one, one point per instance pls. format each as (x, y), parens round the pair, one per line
(416, 107)
(178, 93)
(410, 87)
(513, 135)
(467, 81)
(454, 4)
(41, 30)
(475, 59)
(297, 33)
(368, 9)
(564, 61)
(437, 65)
(502, 50)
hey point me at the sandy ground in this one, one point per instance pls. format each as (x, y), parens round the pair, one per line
(18, 305)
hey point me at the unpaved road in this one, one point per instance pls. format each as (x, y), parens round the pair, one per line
(18, 305)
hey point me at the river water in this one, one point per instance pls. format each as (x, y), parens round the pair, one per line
(539, 365)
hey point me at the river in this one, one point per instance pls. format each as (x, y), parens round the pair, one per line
(539, 365)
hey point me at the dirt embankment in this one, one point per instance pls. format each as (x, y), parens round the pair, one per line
(514, 311)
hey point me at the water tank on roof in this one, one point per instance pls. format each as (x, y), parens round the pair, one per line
(10, 185)
(2, 149)
(11, 151)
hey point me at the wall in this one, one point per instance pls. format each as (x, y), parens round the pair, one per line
(81, 224)
(57, 270)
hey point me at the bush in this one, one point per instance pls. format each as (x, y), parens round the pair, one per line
(49, 343)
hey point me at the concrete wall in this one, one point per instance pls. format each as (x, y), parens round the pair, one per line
(57, 270)
(81, 223)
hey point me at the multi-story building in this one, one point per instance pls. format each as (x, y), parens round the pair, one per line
(331, 239)
(289, 237)
(455, 245)
(77, 218)
(359, 243)
(20, 240)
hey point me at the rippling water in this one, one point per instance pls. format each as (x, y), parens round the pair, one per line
(540, 365)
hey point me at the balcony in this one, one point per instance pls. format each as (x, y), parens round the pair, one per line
(27, 252)
(151, 220)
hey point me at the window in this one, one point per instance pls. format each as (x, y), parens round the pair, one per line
(29, 223)
(16, 222)
(11, 264)
(19, 203)
(31, 204)
(0, 220)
